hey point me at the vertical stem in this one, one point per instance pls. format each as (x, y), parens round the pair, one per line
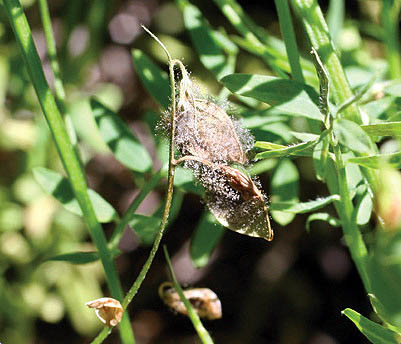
(170, 188)
(390, 20)
(200, 329)
(66, 151)
(318, 32)
(51, 49)
(352, 235)
(287, 31)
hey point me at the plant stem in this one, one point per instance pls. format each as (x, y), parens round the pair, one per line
(238, 19)
(311, 15)
(352, 235)
(193, 316)
(66, 151)
(317, 31)
(287, 31)
(170, 186)
(51, 49)
(103, 334)
(58, 83)
(390, 19)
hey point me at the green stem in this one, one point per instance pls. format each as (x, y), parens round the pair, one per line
(287, 31)
(352, 235)
(118, 232)
(58, 83)
(51, 49)
(66, 151)
(103, 334)
(193, 316)
(311, 15)
(170, 188)
(390, 20)
(238, 19)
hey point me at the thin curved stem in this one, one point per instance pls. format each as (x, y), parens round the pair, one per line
(170, 188)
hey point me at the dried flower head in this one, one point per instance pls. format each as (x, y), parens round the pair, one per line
(108, 310)
(204, 301)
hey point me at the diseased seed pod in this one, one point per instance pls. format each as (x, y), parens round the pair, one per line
(204, 130)
(108, 310)
(214, 147)
(204, 301)
(233, 197)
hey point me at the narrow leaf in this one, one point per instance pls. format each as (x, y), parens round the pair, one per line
(153, 78)
(60, 188)
(207, 234)
(297, 149)
(124, 145)
(210, 53)
(332, 221)
(286, 95)
(377, 161)
(77, 257)
(383, 129)
(303, 207)
(376, 333)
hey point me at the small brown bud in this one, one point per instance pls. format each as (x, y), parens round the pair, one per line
(108, 310)
(204, 301)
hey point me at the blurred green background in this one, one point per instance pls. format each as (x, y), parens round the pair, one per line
(289, 291)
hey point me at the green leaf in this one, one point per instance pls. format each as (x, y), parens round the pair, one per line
(153, 78)
(394, 89)
(284, 188)
(207, 234)
(286, 95)
(384, 267)
(383, 129)
(145, 227)
(124, 145)
(332, 221)
(60, 188)
(305, 136)
(210, 53)
(77, 257)
(297, 149)
(364, 206)
(377, 161)
(353, 137)
(303, 207)
(376, 333)
(381, 311)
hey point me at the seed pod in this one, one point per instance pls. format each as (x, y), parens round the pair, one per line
(204, 301)
(108, 310)
(233, 198)
(209, 142)
(204, 130)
